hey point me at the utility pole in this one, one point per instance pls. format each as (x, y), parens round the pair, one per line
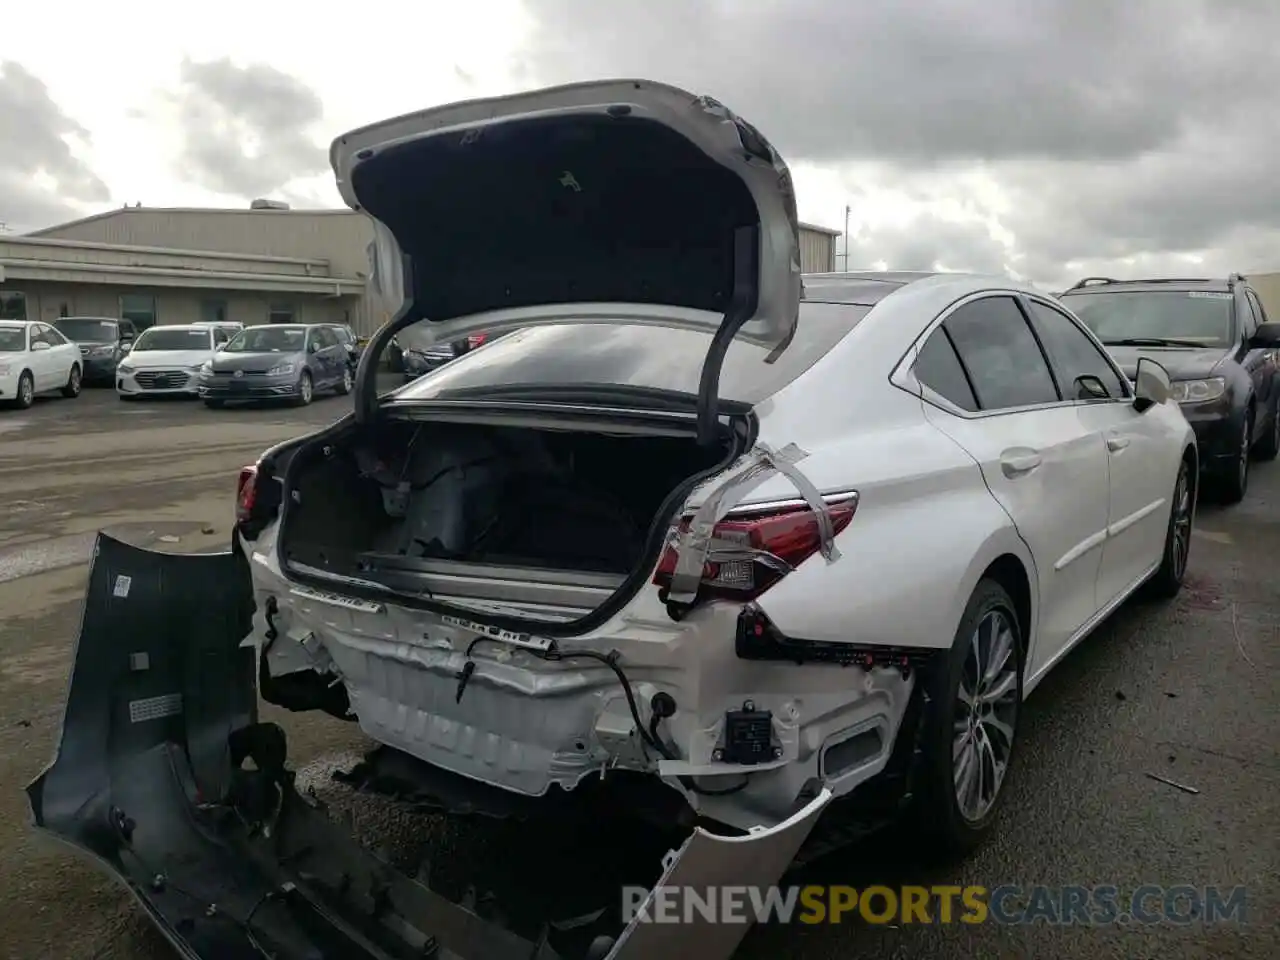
(846, 238)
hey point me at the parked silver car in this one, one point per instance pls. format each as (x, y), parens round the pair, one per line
(277, 362)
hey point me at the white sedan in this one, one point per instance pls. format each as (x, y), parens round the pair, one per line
(35, 358)
(751, 534)
(166, 361)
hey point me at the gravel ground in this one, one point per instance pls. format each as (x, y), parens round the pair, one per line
(1186, 690)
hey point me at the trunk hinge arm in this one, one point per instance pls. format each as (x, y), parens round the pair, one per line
(697, 543)
(365, 390)
(743, 303)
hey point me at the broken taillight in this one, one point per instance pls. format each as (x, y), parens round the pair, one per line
(246, 492)
(779, 541)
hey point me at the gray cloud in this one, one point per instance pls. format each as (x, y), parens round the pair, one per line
(1117, 130)
(34, 148)
(245, 129)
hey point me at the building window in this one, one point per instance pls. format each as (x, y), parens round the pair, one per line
(13, 306)
(139, 308)
(213, 311)
(281, 313)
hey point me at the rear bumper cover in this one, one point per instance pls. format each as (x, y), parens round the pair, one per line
(149, 781)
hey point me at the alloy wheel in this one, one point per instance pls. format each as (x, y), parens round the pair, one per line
(984, 715)
(304, 389)
(75, 381)
(26, 391)
(1181, 523)
(346, 380)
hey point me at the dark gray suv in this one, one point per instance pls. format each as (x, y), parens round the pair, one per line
(103, 341)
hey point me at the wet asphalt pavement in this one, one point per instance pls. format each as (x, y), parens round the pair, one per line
(1186, 690)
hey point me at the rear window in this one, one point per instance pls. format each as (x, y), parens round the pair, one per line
(636, 356)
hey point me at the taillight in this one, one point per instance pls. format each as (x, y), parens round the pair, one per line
(475, 339)
(779, 540)
(246, 492)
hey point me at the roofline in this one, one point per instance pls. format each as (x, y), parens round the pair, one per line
(815, 228)
(93, 217)
(58, 243)
(324, 211)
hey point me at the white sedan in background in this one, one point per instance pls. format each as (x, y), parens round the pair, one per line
(35, 358)
(166, 361)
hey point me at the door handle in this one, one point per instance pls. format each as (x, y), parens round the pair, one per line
(1019, 463)
(1116, 444)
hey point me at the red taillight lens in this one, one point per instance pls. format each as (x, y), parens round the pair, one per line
(791, 536)
(246, 492)
(474, 340)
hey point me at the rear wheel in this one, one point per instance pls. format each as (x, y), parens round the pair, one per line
(1167, 580)
(1269, 446)
(73, 385)
(974, 704)
(344, 387)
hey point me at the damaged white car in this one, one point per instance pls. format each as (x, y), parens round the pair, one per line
(697, 519)
(772, 555)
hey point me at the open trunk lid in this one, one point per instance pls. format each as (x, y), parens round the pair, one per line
(613, 201)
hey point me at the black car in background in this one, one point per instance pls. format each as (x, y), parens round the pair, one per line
(1214, 338)
(103, 342)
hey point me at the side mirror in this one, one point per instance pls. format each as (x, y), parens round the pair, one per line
(1150, 385)
(39, 345)
(1089, 387)
(313, 347)
(1266, 337)
(126, 346)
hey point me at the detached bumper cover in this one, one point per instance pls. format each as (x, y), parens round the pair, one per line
(150, 781)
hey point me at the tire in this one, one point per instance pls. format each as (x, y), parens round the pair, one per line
(344, 386)
(942, 820)
(214, 404)
(1166, 582)
(1269, 446)
(26, 394)
(306, 390)
(125, 398)
(74, 383)
(1234, 486)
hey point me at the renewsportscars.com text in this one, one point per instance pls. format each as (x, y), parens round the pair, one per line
(1008, 904)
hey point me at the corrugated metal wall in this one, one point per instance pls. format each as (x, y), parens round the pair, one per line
(817, 251)
(1268, 287)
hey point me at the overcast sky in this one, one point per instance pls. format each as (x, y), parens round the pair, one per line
(1046, 138)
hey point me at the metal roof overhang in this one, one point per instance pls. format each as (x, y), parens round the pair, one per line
(53, 271)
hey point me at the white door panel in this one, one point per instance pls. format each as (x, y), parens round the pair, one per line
(1048, 469)
(1141, 483)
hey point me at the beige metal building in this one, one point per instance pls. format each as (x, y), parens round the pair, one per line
(256, 265)
(1268, 287)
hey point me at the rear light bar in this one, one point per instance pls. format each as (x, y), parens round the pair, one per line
(778, 539)
(474, 340)
(246, 492)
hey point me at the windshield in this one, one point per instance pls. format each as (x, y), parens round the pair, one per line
(628, 355)
(268, 340)
(1192, 315)
(87, 329)
(156, 339)
(12, 339)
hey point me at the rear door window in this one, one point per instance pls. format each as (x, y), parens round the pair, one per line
(939, 369)
(1001, 354)
(1074, 354)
